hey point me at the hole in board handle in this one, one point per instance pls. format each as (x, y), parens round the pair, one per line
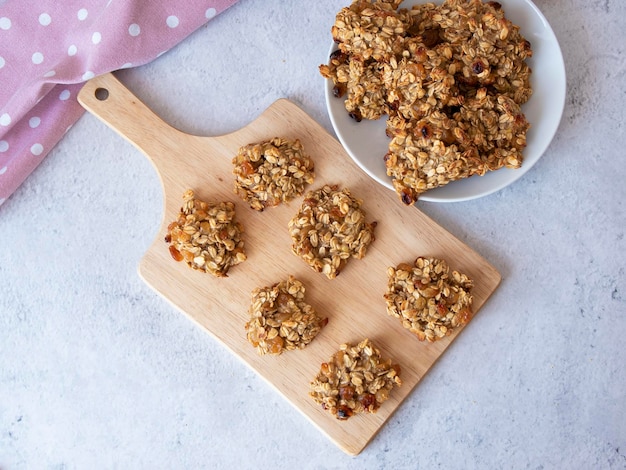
(101, 94)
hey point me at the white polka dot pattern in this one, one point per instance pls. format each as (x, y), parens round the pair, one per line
(50, 47)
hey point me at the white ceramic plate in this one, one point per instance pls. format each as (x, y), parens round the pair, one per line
(367, 143)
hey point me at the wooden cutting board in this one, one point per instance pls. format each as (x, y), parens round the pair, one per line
(353, 302)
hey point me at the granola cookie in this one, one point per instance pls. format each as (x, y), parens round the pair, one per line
(484, 48)
(429, 299)
(268, 173)
(493, 52)
(280, 319)
(360, 82)
(329, 229)
(366, 93)
(420, 81)
(206, 236)
(369, 29)
(484, 134)
(356, 379)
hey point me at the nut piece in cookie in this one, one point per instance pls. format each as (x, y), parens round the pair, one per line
(280, 319)
(429, 299)
(268, 173)
(206, 236)
(329, 229)
(356, 379)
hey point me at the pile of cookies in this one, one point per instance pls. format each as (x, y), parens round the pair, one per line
(450, 78)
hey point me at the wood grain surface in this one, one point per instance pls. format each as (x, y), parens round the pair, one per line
(353, 302)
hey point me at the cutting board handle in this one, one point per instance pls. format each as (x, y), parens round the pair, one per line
(105, 97)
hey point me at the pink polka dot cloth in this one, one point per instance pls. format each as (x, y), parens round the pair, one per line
(49, 48)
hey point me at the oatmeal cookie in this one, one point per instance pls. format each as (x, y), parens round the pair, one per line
(369, 29)
(206, 236)
(366, 92)
(488, 48)
(271, 172)
(329, 229)
(484, 134)
(429, 299)
(496, 126)
(361, 82)
(427, 153)
(280, 319)
(421, 81)
(356, 379)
